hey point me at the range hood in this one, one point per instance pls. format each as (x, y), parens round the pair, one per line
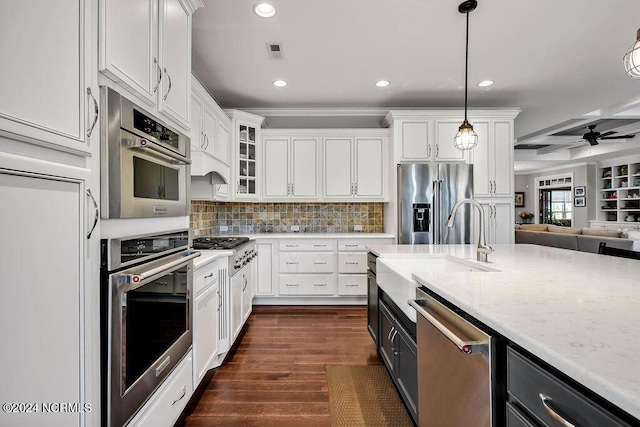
(203, 164)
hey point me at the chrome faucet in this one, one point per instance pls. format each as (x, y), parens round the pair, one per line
(483, 249)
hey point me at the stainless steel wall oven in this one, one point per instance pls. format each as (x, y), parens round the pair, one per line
(146, 317)
(145, 170)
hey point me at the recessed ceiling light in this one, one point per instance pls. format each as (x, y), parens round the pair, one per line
(280, 83)
(265, 10)
(383, 83)
(485, 83)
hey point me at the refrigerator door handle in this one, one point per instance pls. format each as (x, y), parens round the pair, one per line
(437, 212)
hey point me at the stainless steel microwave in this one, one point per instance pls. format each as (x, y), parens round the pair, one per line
(145, 163)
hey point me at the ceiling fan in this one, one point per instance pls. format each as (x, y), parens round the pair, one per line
(592, 136)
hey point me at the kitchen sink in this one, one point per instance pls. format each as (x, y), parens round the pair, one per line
(440, 264)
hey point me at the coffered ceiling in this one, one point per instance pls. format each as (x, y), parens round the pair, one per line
(559, 61)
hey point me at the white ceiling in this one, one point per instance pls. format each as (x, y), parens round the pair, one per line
(557, 60)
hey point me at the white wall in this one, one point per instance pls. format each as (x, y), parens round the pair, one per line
(583, 175)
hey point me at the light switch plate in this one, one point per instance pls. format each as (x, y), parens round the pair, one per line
(295, 228)
(357, 227)
(224, 228)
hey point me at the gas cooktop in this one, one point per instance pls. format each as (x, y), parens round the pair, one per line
(218, 242)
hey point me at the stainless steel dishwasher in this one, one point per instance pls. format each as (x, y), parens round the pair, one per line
(454, 367)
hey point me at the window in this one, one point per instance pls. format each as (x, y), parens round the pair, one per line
(556, 206)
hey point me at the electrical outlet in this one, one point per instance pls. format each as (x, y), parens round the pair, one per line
(224, 228)
(196, 232)
(295, 228)
(357, 227)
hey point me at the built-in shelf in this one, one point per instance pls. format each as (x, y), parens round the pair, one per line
(619, 187)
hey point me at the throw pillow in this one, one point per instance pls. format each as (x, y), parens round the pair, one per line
(534, 227)
(601, 232)
(563, 230)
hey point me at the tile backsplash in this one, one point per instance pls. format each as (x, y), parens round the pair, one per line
(207, 217)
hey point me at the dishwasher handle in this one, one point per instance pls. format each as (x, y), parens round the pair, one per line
(465, 346)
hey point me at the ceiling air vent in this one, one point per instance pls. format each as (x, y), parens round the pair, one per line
(274, 50)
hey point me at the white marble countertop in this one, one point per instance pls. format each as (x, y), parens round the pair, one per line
(320, 236)
(207, 256)
(579, 312)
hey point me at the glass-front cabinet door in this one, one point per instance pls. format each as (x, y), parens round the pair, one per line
(246, 160)
(246, 165)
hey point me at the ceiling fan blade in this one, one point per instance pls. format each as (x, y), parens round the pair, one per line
(611, 132)
(592, 141)
(618, 137)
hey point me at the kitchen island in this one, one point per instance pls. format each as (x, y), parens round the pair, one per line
(576, 311)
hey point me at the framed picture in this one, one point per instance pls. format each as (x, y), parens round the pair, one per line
(580, 201)
(519, 199)
(579, 192)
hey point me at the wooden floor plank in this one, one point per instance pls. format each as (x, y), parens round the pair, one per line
(277, 375)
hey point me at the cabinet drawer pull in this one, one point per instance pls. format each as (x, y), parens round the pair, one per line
(184, 393)
(319, 284)
(319, 246)
(208, 275)
(291, 262)
(319, 262)
(351, 246)
(292, 284)
(352, 262)
(291, 246)
(351, 286)
(557, 417)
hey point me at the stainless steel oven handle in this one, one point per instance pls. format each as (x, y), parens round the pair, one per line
(466, 347)
(156, 150)
(140, 279)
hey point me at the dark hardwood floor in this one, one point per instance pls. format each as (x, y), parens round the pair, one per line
(277, 376)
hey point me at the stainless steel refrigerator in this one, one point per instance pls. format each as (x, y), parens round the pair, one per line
(426, 194)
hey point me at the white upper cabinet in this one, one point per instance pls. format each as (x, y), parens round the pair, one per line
(46, 74)
(247, 152)
(421, 137)
(355, 167)
(210, 140)
(445, 150)
(290, 166)
(276, 168)
(369, 167)
(146, 46)
(175, 59)
(338, 180)
(493, 158)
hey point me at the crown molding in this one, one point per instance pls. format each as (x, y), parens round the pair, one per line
(317, 112)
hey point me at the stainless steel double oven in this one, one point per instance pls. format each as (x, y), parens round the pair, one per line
(146, 299)
(145, 170)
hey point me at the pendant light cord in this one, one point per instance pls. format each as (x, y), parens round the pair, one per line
(466, 68)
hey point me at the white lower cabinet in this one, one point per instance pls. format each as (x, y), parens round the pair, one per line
(499, 221)
(352, 284)
(170, 399)
(46, 312)
(307, 284)
(264, 274)
(237, 283)
(205, 331)
(312, 270)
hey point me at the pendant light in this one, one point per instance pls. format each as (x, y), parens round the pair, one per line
(466, 138)
(631, 59)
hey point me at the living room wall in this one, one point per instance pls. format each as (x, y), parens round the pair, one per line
(583, 175)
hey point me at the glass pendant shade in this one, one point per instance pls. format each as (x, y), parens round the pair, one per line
(631, 59)
(466, 138)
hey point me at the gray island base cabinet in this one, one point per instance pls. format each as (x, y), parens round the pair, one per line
(398, 351)
(536, 396)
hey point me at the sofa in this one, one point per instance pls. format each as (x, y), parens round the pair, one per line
(577, 239)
